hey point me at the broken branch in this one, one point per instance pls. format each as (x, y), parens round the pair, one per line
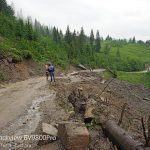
(122, 114)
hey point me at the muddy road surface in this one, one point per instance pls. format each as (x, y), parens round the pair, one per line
(16, 97)
(20, 112)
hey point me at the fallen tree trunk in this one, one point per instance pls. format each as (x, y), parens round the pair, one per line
(81, 67)
(112, 72)
(120, 137)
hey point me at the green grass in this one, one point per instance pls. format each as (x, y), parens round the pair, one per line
(130, 50)
(133, 56)
(107, 74)
(134, 78)
(135, 51)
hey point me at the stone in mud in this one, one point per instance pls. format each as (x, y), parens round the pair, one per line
(102, 99)
(103, 81)
(73, 135)
(48, 131)
(71, 114)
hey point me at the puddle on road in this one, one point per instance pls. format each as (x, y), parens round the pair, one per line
(28, 123)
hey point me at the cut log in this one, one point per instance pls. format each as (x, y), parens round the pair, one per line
(88, 117)
(120, 137)
(81, 67)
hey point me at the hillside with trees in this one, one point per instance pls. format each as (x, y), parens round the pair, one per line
(22, 38)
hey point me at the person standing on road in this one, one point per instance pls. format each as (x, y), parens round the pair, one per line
(51, 70)
(47, 72)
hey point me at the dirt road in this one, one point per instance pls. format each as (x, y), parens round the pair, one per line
(15, 98)
(19, 108)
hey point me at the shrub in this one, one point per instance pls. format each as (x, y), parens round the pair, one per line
(2, 77)
(26, 54)
(2, 54)
(16, 58)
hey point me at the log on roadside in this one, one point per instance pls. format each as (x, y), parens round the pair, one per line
(112, 72)
(82, 67)
(120, 137)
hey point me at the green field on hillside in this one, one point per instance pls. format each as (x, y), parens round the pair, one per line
(134, 78)
(136, 51)
(124, 56)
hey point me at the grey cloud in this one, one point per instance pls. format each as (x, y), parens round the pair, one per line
(119, 18)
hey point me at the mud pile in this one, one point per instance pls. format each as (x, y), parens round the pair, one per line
(108, 105)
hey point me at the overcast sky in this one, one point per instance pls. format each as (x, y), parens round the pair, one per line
(118, 18)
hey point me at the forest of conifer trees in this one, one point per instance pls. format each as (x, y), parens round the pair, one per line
(24, 38)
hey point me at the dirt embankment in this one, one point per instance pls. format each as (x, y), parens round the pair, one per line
(11, 72)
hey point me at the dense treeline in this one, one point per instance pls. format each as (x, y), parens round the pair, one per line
(24, 38)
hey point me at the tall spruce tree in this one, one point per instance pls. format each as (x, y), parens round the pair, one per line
(5, 8)
(68, 36)
(92, 38)
(108, 38)
(55, 34)
(97, 42)
(61, 34)
(29, 29)
(82, 40)
(92, 44)
(134, 41)
(19, 32)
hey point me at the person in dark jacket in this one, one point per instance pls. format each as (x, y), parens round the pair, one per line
(51, 71)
